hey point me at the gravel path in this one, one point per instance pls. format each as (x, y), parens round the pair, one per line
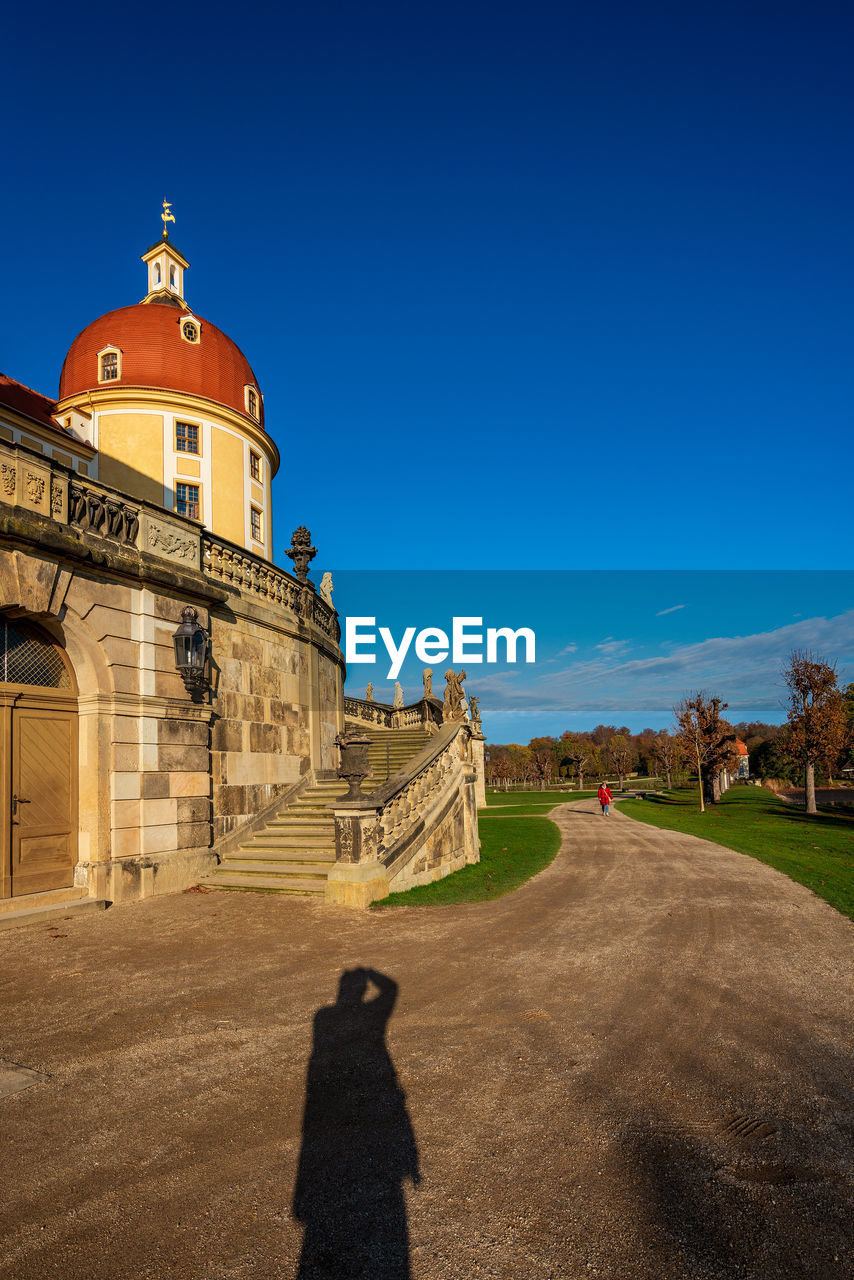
(637, 1066)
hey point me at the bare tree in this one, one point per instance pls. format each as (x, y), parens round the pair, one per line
(580, 754)
(707, 740)
(816, 713)
(667, 754)
(619, 755)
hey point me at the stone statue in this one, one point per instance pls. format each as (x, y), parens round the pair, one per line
(369, 693)
(428, 682)
(452, 708)
(326, 587)
(398, 695)
(474, 708)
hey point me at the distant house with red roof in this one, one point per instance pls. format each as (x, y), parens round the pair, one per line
(743, 770)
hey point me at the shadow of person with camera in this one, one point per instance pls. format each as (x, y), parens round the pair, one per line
(358, 1145)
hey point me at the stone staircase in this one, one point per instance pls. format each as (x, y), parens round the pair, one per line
(390, 750)
(294, 851)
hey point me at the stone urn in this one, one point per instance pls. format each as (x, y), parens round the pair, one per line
(354, 761)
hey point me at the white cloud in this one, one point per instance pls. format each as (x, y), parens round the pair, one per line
(672, 609)
(743, 670)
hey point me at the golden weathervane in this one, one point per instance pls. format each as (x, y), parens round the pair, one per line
(168, 216)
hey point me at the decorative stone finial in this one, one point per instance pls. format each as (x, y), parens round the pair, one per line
(301, 552)
(369, 693)
(398, 695)
(427, 677)
(327, 587)
(167, 216)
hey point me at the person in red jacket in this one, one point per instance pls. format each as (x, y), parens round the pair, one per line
(605, 798)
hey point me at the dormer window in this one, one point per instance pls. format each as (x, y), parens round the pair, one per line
(190, 328)
(252, 402)
(109, 364)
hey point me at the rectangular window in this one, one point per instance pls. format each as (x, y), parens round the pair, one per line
(187, 500)
(255, 466)
(255, 524)
(109, 366)
(186, 437)
(252, 402)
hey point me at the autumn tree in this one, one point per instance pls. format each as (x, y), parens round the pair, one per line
(708, 742)
(816, 711)
(619, 754)
(667, 754)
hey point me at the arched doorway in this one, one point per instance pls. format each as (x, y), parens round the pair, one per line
(38, 762)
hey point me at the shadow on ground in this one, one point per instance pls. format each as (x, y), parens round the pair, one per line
(358, 1144)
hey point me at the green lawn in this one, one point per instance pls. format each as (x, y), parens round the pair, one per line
(533, 802)
(512, 849)
(816, 851)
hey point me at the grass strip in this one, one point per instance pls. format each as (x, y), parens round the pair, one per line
(816, 851)
(551, 798)
(512, 850)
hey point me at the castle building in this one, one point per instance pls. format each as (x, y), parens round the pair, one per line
(165, 688)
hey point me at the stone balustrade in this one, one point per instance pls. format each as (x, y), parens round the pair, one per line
(419, 826)
(45, 487)
(424, 714)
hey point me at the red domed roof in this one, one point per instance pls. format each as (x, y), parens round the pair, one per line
(155, 355)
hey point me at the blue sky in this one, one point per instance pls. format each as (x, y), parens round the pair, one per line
(611, 647)
(543, 284)
(526, 286)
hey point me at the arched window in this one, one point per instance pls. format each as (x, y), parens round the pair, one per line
(28, 658)
(172, 276)
(157, 275)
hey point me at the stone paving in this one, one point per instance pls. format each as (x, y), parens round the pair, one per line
(637, 1066)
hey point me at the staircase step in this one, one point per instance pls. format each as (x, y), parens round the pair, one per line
(283, 858)
(266, 884)
(49, 911)
(274, 868)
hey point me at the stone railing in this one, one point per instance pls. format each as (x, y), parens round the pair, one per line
(417, 827)
(426, 714)
(233, 565)
(95, 509)
(49, 489)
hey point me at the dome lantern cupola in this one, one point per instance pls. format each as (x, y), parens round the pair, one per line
(166, 266)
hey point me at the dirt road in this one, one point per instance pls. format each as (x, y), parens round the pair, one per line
(637, 1066)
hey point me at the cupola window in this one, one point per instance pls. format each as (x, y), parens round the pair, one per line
(252, 402)
(190, 331)
(157, 274)
(186, 437)
(109, 364)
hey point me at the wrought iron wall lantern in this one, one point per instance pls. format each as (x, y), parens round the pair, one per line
(192, 654)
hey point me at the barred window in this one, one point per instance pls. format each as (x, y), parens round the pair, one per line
(28, 659)
(187, 500)
(186, 437)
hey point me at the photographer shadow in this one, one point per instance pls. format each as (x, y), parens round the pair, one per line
(358, 1145)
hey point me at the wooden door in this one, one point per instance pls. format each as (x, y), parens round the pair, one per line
(43, 798)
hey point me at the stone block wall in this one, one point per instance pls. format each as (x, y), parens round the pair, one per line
(162, 777)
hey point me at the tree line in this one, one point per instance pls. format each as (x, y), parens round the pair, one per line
(815, 742)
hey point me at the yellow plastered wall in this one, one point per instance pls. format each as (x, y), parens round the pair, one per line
(138, 436)
(227, 486)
